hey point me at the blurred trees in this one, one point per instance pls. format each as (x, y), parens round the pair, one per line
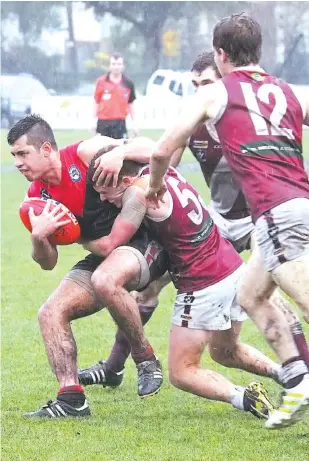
(149, 34)
(148, 19)
(32, 17)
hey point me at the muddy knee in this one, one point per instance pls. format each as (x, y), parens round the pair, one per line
(103, 284)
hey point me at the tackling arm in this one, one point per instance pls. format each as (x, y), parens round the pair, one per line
(173, 138)
(176, 157)
(108, 165)
(125, 225)
(203, 106)
(88, 149)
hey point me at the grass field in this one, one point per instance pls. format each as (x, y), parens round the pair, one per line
(173, 426)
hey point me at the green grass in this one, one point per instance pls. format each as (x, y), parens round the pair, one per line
(173, 426)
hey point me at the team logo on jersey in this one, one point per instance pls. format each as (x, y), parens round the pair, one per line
(199, 154)
(200, 147)
(45, 194)
(74, 173)
(257, 77)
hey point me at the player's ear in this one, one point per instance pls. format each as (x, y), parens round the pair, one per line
(46, 148)
(127, 180)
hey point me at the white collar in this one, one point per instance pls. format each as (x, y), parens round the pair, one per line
(251, 68)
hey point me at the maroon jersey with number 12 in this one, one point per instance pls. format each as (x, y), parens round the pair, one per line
(199, 256)
(261, 135)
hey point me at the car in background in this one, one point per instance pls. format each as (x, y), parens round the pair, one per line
(17, 92)
(169, 83)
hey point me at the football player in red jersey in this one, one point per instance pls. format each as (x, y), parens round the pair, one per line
(258, 119)
(61, 175)
(206, 271)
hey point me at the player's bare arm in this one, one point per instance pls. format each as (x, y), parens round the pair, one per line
(177, 156)
(87, 149)
(43, 252)
(126, 224)
(202, 107)
(109, 165)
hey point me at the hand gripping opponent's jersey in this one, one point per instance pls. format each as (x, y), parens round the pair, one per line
(226, 195)
(199, 256)
(94, 216)
(260, 127)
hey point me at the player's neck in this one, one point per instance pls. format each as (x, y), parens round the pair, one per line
(54, 173)
(115, 78)
(250, 67)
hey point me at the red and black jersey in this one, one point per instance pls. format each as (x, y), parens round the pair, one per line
(261, 134)
(199, 256)
(113, 98)
(95, 217)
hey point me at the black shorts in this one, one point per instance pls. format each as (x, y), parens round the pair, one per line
(113, 128)
(153, 260)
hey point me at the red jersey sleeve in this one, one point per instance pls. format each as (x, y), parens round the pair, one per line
(98, 90)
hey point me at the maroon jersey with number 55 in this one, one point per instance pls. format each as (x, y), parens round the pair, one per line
(199, 256)
(260, 130)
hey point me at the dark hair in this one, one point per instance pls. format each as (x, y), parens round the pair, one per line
(240, 37)
(129, 167)
(116, 55)
(203, 61)
(37, 130)
(91, 168)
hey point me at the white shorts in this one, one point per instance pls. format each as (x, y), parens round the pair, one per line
(282, 233)
(213, 308)
(236, 231)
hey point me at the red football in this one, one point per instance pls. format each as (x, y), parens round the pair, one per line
(65, 235)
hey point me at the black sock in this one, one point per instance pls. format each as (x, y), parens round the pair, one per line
(73, 395)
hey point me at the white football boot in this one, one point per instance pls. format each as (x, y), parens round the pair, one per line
(295, 402)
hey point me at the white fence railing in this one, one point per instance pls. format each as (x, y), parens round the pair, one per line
(77, 112)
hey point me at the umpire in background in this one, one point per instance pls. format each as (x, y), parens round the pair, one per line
(114, 99)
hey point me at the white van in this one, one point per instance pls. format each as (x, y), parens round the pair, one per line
(169, 83)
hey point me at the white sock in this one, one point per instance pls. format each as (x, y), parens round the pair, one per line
(237, 399)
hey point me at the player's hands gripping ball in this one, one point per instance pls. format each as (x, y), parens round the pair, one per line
(49, 219)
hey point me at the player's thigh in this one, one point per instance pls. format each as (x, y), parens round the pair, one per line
(186, 347)
(73, 298)
(153, 260)
(121, 268)
(223, 340)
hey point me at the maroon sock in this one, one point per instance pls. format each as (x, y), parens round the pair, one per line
(122, 349)
(142, 355)
(301, 343)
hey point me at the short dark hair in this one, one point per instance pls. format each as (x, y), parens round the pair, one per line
(203, 61)
(130, 168)
(240, 36)
(37, 130)
(116, 55)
